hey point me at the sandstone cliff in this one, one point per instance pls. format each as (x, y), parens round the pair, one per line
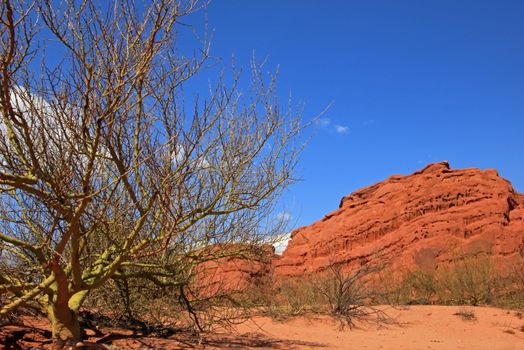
(421, 220)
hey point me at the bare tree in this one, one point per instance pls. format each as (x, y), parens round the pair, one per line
(103, 174)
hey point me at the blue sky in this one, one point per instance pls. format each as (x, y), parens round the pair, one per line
(412, 82)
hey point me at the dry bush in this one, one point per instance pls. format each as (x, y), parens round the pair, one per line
(390, 288)
(466, 314)
(469, 281)
(147, 308)
(350, 297)
(347, 296)
(474, 280)
(9, 318)
(422, 286)
(300, 295)
(135, 305)
(203, 299)
(510, 287)
(285, 297)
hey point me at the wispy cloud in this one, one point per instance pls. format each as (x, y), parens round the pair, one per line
(323, 122)
(341, 129)
(284, 216)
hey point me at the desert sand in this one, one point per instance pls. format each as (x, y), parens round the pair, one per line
(415, 327)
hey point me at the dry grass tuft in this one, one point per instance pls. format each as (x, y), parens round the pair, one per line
(466, 314)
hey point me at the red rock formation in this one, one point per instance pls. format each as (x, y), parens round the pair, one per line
(234, 273)
(423, 219)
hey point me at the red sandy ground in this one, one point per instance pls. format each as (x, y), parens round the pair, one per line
(416, 327)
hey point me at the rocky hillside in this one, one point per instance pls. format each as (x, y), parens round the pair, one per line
(429, 217)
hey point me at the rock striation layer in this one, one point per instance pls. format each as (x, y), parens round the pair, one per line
(242, 268)
(430, 217)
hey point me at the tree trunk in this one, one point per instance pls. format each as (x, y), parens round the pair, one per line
(65, 326)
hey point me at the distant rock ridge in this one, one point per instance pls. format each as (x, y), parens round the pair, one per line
(422, 220)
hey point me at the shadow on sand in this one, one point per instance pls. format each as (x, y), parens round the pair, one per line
(212, 341)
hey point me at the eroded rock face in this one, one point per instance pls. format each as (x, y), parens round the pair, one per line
(429, 217)
(246, 268)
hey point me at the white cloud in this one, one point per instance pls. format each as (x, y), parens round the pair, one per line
(281, 244)
(341, 129)
(325, 123)
(50, 128)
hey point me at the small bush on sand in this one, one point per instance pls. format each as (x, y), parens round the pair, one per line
(466, 314)
(422, 285)
(350, 296)
(287, 297)
(300, 296)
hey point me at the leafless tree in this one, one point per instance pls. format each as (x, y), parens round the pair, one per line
(104, 175)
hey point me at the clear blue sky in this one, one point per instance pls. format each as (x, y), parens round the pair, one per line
(413, 82)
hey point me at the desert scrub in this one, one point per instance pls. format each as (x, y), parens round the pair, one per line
(423, 286)
(466, 281)
(510, 288)
(298, 296)
(466, 314)
(416, 287)
(469, 281)
(350, 295)
(346, 295)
